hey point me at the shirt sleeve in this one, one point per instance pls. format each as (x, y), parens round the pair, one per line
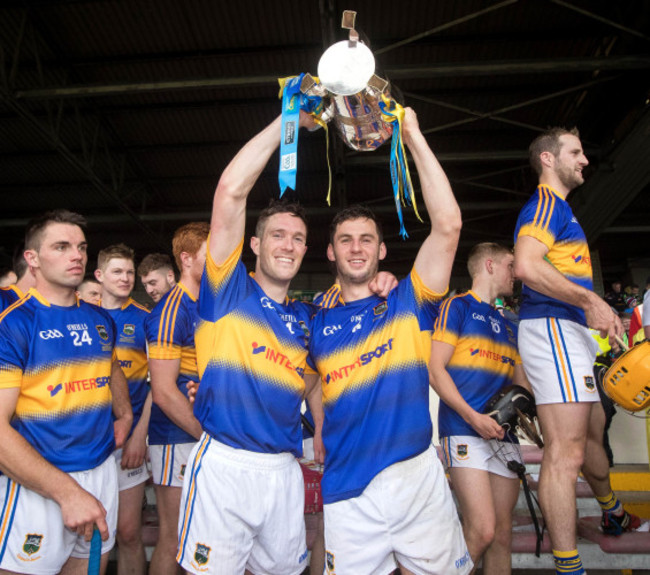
(449, 323)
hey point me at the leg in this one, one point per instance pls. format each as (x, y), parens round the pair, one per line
(497, 559)
(163, 560)
(596, 465)
(131, 559)
(564, 426)
(317, 561)
(76, 566)
(474, 492)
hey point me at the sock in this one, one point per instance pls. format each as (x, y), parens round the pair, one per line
(568, 563)
(610, 503)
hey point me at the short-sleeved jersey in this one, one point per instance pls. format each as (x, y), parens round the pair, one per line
(252, 353)
(372, 356)
(61, 359)
(548, 218)
(170, 335)
(131, 348)
(9, 295)
(484, 358)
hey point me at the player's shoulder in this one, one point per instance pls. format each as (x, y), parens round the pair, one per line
(19, 311)
(137, 308)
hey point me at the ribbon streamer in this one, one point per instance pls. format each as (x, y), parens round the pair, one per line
(393, 113)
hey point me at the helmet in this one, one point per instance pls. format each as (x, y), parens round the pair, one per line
(513, 407)
(627, 382)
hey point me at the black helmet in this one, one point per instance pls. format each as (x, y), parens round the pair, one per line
(513, 408)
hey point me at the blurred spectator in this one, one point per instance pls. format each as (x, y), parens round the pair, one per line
(633, 296)
(7, 277)
(616, 297)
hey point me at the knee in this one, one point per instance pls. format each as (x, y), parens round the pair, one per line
(481, 536)
(566, 457)
(129, 535)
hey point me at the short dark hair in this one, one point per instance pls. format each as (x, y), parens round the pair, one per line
(19, 262)
(548, 141)
(279, 207)
(356, 212)
(482, 251)
(153, 262)
(36, 227)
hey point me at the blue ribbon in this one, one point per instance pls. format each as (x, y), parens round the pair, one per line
(293, 100)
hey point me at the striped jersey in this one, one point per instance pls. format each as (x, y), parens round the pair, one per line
(484, 357)
(170, 335)
(252, 353)
(131, 348)
(61, 359)
(548, 218)
(372, 357)
(9, 295)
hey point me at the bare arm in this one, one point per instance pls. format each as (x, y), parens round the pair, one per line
(436, 255)
(167, 396)
(135, 448)
(444, 386)
(314, 396)
(121, 404)
(22, 463)
(538, 274)
(237, 180)
(520, 378)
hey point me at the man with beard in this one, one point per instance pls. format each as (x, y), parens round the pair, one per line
(558, 306)
(389, 505)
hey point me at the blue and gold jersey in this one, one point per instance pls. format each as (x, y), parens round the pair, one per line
(484, 357)
(372, 356)
(548, 218)
(9, 295)
(252, 353)
(61, 359)
(170, 335)
(131, 348)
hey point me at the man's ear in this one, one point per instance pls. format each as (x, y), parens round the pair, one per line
(382, 251)
(99, 275)
(31, 257)
(330, 253)
(255, 245)
(547, 159)
(170, 277)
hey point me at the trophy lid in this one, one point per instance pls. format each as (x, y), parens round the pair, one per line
(345, 68)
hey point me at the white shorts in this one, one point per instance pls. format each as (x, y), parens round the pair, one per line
(558, 357)
(33, 538)
(242, 510)
(127, 478)
(407, 515)
(168, 463)
(473, 452)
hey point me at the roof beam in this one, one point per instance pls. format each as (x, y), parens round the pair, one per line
(487, 68)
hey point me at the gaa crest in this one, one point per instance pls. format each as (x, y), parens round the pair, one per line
(461, 450)
(101, 330)
(589, 383)
(329, 560)
(129, 329)
(202, 554)
(32, 543)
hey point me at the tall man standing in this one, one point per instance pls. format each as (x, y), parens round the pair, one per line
(116, 274)
(60, 385)
(558, 352)
(173, 429)
(387, 502)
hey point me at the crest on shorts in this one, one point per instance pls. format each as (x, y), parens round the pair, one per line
(32, 543)
(329, 561)
(129, 329)
(589, 382)
(101, 330)
(461, 450)
(202, 553)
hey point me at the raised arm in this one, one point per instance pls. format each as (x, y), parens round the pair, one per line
(436, 255)
(237, 180)
(22, 463)
(536, 272)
